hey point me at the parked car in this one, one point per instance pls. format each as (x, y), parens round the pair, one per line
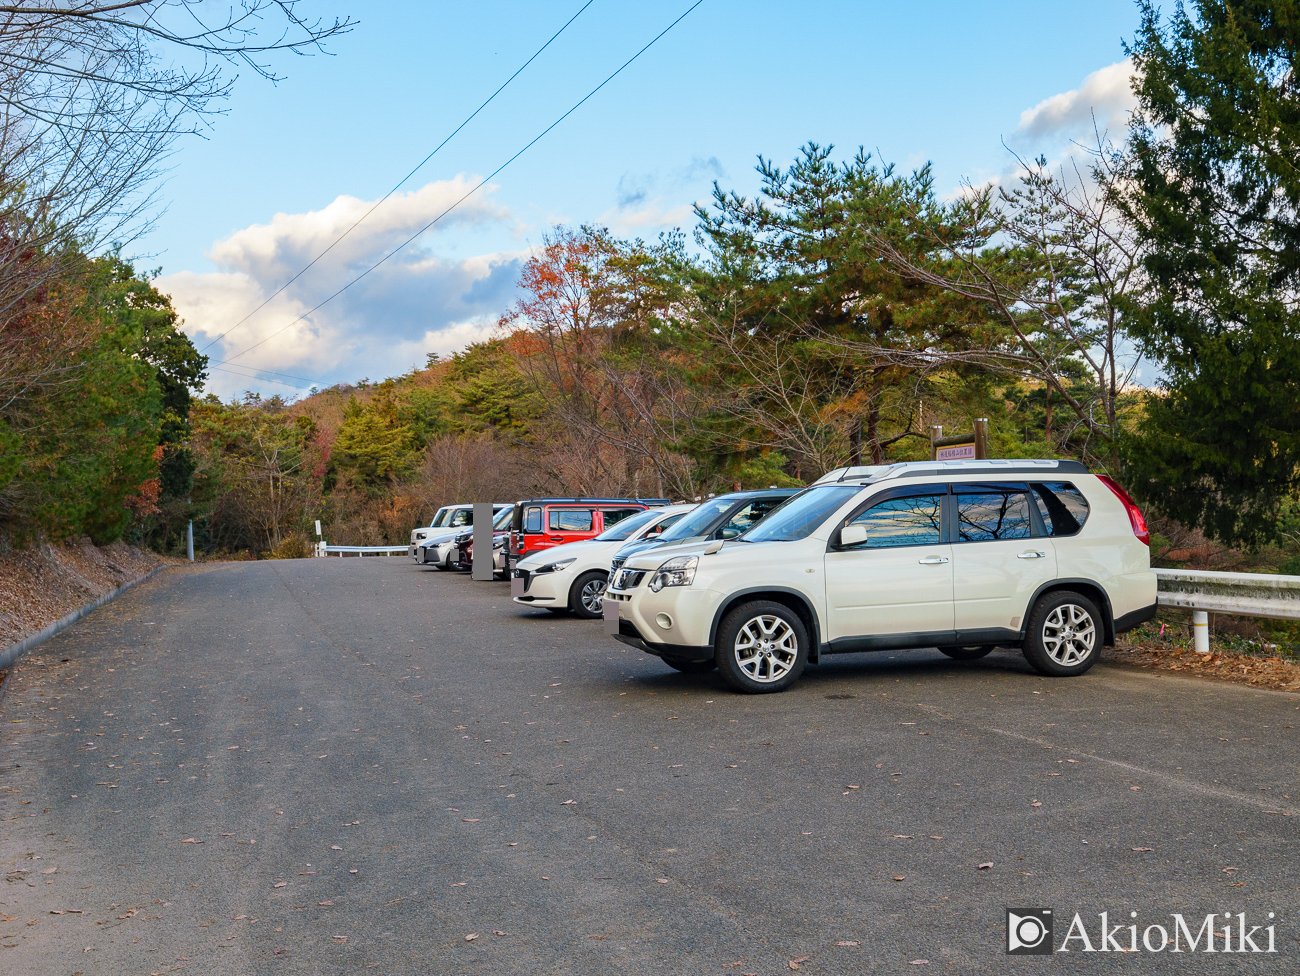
(435, 546)
(540, 523)
(573, 576)
(462, 552)
(960, 555)
(720, 517)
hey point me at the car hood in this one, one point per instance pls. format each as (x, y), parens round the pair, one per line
(569, 549)
(633, 549)
(440, 537)
(654, 557)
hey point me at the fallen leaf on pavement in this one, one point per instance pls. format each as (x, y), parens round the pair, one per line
(279, 884)
(899, 877)
(191, 840)
(848, 943)
(984, 866)
(794, 963)
(665, 880)
(1144, 848)
(471, 937)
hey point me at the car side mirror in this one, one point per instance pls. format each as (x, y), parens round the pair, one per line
(729, 533)
(853, 535)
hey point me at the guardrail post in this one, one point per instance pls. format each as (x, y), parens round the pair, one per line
(1201, 631)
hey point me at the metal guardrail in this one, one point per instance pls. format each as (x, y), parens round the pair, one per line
(1244, 594)
(325, 549)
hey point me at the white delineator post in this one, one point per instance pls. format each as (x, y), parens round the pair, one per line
(1201, 631)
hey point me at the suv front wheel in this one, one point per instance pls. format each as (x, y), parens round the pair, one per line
(761, 647)
(1064, 634)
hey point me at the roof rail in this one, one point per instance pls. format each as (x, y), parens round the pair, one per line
(908, 469)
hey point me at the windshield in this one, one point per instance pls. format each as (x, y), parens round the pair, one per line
(629, 526)
(503, 518)
(698, 522)
(439, 518)
(801, 514)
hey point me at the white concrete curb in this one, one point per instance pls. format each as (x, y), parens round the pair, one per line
(10, 654)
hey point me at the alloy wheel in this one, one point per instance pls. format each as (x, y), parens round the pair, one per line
(1069, 634)
(766, 648)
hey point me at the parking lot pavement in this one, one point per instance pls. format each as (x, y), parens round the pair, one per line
(460, 785)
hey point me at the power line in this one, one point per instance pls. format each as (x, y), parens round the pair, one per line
(400, 183)
(262, 379)
(472, 191)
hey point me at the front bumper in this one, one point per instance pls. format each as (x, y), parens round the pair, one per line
(545, 589)
(675, 622)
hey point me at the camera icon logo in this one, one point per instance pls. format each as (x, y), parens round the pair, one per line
(1029, 934)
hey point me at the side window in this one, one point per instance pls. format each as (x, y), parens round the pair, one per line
(533, 520)
(1063, 507)
(462, 516)
(747, 516)
(988, 516)
(901, 522)
(570, 520)
(615, 515)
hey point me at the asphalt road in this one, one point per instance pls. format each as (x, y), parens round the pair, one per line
(444, 764)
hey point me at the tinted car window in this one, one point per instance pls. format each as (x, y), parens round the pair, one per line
(462, 516)
(627, 527)
(615, 515)
(910, 521)
(1063, 507)
(987, 516)
(570, 520)
(533, 520)
(698, 519)
(439, 518)
(748, 516)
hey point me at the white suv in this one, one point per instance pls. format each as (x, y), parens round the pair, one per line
(573, 576)
(959, 555)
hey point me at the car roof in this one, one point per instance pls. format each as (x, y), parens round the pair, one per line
(653, 502)
(998, 467)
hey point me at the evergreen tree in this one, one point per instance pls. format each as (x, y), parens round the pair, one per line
(1213, 185)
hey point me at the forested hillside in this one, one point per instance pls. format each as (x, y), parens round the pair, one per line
(830, 319)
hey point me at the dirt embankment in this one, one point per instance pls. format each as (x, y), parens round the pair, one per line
(42, 583)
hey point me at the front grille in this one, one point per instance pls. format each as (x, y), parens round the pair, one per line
(526, 576)
(616, 565)
(629, 579)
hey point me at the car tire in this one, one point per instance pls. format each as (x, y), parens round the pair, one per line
(1064, 634)
(691, 667)
(971, 653)
(777, 638)
(587, 594)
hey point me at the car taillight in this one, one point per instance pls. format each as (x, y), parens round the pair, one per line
(1134, 513)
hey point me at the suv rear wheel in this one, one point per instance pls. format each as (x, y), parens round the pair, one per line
(1064, 634)
(586, 596)
(761, 647)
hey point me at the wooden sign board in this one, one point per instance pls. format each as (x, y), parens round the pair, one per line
(956, 452)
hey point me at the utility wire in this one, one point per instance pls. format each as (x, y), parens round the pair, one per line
(472, 191)
(261, 379)
(400, 183)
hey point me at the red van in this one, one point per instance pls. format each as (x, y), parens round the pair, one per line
(539, 523)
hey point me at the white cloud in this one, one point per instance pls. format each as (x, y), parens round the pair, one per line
(655, 214)
(1106, 94)
(414, 303)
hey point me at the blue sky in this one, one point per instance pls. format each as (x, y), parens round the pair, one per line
(291, 164)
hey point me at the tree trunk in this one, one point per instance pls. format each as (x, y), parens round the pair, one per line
(873, 435)
(1049, 415)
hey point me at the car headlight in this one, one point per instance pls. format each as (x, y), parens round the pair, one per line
(675, 572)
(556, 566)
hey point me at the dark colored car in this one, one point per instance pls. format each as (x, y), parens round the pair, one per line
(540, 523)
(720, 517)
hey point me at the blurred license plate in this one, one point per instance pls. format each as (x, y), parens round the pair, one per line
(516, 586)
(611, 616)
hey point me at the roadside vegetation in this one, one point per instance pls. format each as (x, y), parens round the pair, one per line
(830, 319)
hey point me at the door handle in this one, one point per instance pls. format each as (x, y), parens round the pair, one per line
(933, 560)
(1030, 555)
